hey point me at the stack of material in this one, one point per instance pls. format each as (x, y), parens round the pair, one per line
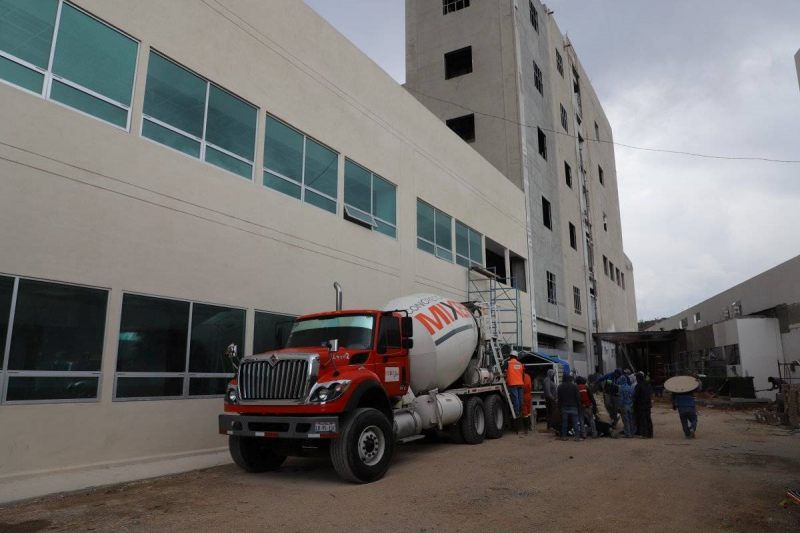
(791, 402)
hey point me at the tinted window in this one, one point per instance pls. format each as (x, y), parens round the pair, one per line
(25, 388)
(270, 331)
(152, 335)
(149, 387)
(283, 151)
(390, 332)
(175, 96)
(426, 235)
(6, 290)
(213, 329)
(26, 29)
(57, 327)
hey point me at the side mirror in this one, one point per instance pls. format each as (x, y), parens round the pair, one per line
(407, 327)
(232, 353)
(333, 345)
(408, 343)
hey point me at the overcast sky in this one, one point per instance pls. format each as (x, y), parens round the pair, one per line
(711, 76)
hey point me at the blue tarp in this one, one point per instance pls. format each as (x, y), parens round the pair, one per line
(555, 359)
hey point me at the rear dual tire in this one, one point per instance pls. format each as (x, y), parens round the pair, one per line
(495, 416)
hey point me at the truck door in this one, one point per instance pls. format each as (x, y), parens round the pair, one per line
(391, 363)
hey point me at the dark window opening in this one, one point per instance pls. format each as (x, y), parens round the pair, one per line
(495, 259)
(534, 17)
(518, 273)
(448, 6)
(605, 265)
(464, 127)
(458, 62)
(537, 78)
(573, 238)
(564, 123)
(600, 175)
(568, 174)
(576, 294)
(560, 63)
(547, 216)
(542, 138)
(551, 288)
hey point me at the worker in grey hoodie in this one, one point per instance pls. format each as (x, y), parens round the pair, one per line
(550, 395)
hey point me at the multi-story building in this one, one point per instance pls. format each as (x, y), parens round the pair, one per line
(176, 176)
(504, 78)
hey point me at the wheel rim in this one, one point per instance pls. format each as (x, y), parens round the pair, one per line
(371, 445)
(480, 421)
(498, 418)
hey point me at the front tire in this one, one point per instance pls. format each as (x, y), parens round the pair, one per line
(254, 454)
(473, 421)
(495, 416)
(363, 450)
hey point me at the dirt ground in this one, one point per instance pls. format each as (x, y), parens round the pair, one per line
(730, 478)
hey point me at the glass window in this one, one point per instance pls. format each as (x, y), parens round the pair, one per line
(434, 229)
(6, 291)
(299, 166)
(152, 334)
(95, 56)
(190, 114)
(389, 334)
(469, 246)
(426, 234)
(270, 331)
(152, 356)
(57, 329)
(93, 64)
(26, 29)
(352, 331)
(369, 200)
(213, 329)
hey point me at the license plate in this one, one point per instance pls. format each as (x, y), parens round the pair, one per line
(324, 427)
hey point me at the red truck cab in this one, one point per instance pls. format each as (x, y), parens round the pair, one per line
(331, 388)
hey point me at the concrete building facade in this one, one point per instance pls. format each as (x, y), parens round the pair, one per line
(755, 324)
(503, 76)
(210, 174)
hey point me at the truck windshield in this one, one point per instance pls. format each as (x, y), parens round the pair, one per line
(353, 331)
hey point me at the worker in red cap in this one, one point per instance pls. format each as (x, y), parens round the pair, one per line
(527, 401)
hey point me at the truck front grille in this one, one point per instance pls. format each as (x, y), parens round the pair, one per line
(286, 380)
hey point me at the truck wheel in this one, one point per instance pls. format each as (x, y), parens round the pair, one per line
(364, 448)
(254, 454)
(495, 416)
(473, 422)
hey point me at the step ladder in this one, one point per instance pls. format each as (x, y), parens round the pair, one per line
(502, 320)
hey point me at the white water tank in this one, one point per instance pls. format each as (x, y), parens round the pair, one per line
(445, 337)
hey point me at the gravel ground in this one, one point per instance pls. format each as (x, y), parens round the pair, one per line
(730, 478)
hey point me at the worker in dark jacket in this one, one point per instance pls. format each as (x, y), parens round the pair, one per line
(550, 397)
(569, 401)
(642, 404)
(687, 412)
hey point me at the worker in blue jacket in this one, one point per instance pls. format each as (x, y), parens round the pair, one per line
(687, 412)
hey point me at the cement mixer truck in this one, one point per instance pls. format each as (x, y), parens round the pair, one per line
(353, 383)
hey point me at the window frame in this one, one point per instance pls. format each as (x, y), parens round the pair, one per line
(538, 80)
(434, 243)
(559, 63)
(573, 236)
(469, 259)
(5, 351)
(203, 143)
(355, 220)
(547, 213)
(568, 174)
(564, 118)
(49, 77)
(542, 143)
(451, 6)
(552, 290)
(186, 375)
(576, 296)
(534, 16)
(302, 184)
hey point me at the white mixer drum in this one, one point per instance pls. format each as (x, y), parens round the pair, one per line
(445, 337)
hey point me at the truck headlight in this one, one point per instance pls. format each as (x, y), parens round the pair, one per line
(328, 391)
(232, 396)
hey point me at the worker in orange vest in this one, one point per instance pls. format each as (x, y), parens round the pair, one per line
(515, 383)
(527, 401)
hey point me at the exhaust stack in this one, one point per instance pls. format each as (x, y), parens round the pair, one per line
(338, 289)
